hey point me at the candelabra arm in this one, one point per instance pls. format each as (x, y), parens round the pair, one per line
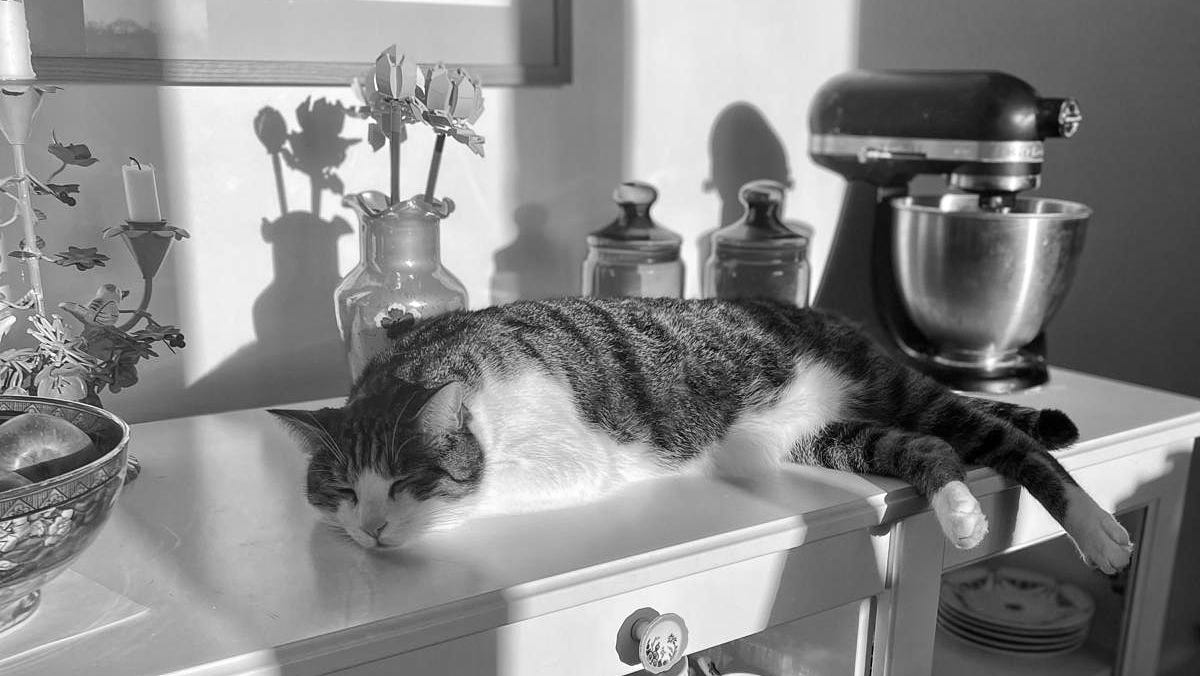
(147, 291)
(27, 219)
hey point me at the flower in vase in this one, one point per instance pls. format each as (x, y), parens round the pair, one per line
(399, 92)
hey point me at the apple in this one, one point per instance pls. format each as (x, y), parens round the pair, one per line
(32, 438)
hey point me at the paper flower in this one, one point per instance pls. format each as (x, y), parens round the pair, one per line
(398, 92)
(396, 77)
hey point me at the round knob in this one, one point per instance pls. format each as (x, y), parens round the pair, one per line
(762, 191)
(635, 192)
(662, 642)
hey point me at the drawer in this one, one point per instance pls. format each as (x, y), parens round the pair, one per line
(832, 643)
(717, 605)
(1016, 520)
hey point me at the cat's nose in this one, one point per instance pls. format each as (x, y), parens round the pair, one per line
(375, 528)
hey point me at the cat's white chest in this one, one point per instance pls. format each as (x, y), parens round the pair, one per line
(539, 453)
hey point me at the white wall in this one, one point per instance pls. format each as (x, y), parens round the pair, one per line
(654, 82)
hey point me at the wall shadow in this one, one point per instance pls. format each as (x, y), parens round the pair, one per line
(520, 267)
(568, 158)
(296, 310)
(742, 147)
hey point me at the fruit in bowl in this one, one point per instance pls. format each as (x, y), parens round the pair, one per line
(61, 470)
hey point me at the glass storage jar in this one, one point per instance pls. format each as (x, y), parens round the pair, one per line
(758, 256)
(633, 255)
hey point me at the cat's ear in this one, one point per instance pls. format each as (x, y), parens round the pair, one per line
(311, 427)
(444, 412)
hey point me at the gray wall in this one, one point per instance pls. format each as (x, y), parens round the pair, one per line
(1135, 68)
(1132, 313)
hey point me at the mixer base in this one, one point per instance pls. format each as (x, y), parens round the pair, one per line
(994, 380)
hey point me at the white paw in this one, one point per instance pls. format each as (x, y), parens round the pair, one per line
(959, 514)
(1103, 543)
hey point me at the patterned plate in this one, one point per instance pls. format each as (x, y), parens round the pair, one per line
(966, 620)
(962, 627)
(1017, 599)
(1004, 648)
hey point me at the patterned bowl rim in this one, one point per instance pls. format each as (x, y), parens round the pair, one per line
(78, 472)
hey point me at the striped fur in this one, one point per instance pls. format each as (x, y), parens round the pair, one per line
(542, 403)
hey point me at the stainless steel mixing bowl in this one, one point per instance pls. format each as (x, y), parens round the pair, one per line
(980, 285)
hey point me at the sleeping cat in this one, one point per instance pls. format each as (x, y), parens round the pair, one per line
(540, 404)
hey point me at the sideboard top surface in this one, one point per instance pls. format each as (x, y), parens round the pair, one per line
(216, 539)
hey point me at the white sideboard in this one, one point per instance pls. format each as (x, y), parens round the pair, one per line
(216, 540)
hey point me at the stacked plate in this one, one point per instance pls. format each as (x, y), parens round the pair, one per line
(1014, 611)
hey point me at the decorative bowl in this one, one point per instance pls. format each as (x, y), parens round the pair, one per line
(44, 526)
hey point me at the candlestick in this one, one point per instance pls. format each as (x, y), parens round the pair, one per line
(141, 192)
(15, 56)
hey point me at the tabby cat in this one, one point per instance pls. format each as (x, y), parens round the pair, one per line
(539, 404)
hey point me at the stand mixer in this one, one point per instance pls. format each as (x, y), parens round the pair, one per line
(959, 285)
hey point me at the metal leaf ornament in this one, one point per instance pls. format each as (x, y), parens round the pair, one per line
(76, 154)
(81, 258)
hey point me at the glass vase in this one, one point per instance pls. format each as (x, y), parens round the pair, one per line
(399, 274)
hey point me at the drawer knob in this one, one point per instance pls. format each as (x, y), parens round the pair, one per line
(662, 642)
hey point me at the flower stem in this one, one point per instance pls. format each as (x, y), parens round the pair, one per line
(394, 156)
(435, 164)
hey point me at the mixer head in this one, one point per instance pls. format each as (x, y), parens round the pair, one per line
(982, 129)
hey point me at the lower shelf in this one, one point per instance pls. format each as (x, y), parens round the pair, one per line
(952, 657)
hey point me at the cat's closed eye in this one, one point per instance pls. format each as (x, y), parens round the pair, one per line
(397, 486)
(348, 494)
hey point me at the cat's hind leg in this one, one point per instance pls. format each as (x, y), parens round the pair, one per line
(987, 440)
(928, 463)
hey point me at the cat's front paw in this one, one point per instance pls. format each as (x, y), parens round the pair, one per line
(1103, 543)
(959, 514)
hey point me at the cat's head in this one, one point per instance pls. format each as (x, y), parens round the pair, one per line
(387, 467)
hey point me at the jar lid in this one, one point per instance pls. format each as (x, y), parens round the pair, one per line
(760, 227)
(634, 229)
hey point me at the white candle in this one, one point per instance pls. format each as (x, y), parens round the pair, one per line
(141, 191)
(15, 58)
